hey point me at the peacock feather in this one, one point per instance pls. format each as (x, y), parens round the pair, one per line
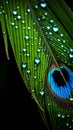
(41, 37)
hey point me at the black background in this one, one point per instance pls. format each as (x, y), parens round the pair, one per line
(17, 108)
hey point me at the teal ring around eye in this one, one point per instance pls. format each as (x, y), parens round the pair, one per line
(61, 93)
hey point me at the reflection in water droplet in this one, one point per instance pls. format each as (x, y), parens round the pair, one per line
(37, 60)
(24, 65)
(42, 92)
(14, 12)
(26, 37)
(55, 28)
(43, 5)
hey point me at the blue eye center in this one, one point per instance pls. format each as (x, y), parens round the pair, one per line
(58, 77)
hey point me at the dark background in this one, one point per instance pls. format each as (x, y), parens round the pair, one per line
(17, 108)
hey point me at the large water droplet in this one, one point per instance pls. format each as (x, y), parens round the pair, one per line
(42, 92)
(55, 28)
(37, 60)
(14, 12)
(24, 65)
(26, 37)
(43, 5)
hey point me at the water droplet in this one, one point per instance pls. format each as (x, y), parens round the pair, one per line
(62, 45)
(63, 116)
(6, 2)
(18, 7)
(36, 6)
(37, 60)
(71, 49)
(14, 12)
(26, 37)
(59, 115)
(42, 92)
(61, 35)
(18, 17)
(28, 54)
(55, 28)
(64, 41)
(24, 65)
(71, 55)
(12, 23)
(28, 10)
(43, 5)
(51, 20)
(0, 12)
(48, 104)
(58, 40)
(67, 124)
(38, 50)
(23, 21)
(29, 27)
(46, 13)
(50, 33)
(16, 27)
(24, 49)
(48, 27)
(71, 99)
(35, 77)
(28, 71)
(33, 90)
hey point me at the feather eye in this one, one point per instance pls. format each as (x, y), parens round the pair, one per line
(60, 85)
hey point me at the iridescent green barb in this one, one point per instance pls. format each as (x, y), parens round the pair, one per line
(40, 33)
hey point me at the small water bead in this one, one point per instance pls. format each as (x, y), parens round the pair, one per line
(23, 21)
(16, 27)
(63, 116)
(28, 10)
(26, 37)
(28, 71)
(48, 27)
(62, 46)
(50, 33)
(37, 60)
(12, 23)
(68, 115)
(35, 77)
(61, 35)
(38, 50)
(42, 92)
(71, 99)
(46, 13)
(24, 49)
(71, 55)
(29, 27)
(6, 2)
(14, 12)
(55, 28)
(64, 41)
(28, 54)
(18, 7)
(51, 20)
(59, 115)
(71, 49)
(67, 124)
(58, 40)
(33, 90)
(43, 4)
(0, 12)
(24, 65)
(18, 17)
(36, 6)
(48, 104)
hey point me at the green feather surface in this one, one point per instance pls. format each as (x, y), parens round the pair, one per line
(40, 35)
